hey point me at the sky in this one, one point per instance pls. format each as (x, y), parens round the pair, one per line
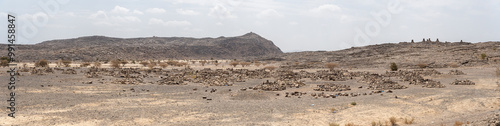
(293, 25)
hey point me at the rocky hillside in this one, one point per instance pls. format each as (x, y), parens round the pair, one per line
(103, 48)
(407, 55)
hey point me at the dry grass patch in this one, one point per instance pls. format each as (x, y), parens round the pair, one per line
(271, 68)
(458, 123)
(409, 121)
(331, 66)
(392, 120)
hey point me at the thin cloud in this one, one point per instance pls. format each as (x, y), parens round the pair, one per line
(221, 12)
(120, 10)
(187, 12)
(156, 10)
(269, 13)
(156, 21)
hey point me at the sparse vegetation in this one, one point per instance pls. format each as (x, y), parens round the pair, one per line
(394, 67)
(453, 65)
(353, 103)
(203, 62)
(144, 63)
(409, 121)
(66, 63)
(349, 124)
(333, 124)
(163, 65)
(86, 64)
(458, 123)
(4, 61)
(234, 64)
(151, 65)
(123, 62)
(271, 68)
(243, 64)
(97, 64)
(392, 120)
(498, 72)
(115, 63)
(422, 65)
(483, 56)
(42, 63)
(331, 66)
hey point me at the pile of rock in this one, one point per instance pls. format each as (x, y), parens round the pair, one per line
(128, 81)
(456, 72)
(332, 87)
(428, 83)
(69, 71)
(279, 85)
(378, 82)
(463, 82)
(172, 80)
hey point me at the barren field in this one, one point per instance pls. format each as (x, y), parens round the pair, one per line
(227, 95)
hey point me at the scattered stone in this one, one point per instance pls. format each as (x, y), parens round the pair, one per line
(463, 82)
(456, 72)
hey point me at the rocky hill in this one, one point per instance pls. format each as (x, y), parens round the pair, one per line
(407, 55)
(104, 48)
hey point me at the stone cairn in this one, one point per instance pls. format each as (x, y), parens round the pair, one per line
(462, 82)
(378, 82)
(332, 87)
(456, 72)
(416, 77)
(69, 71)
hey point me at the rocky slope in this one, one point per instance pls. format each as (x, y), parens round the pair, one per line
(105, 48)
(406, 55)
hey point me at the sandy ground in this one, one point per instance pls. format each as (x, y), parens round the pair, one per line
(65, 100)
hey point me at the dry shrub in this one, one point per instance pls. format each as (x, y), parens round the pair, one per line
(409, 121)
(458, 123)
(243, 64)
(394, 67)
(422, 65)
(234, 64)
(66, 63)
(179, 64)
(257, 64)
(349, 124)
(203, 62)
(333, 124)
(123, 62)
(392, 120)
(374, 123)
(163, 65)
(216, 64)
(271, 68)
(453, 65)
(42, 63)
(144, 63)
(86, 64)
(151, 65)
(4, 63)
(331, 66)
(498, 72)
(173, 63)
(115, 63)
(97, 64)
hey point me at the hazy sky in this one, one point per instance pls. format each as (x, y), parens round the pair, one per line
(293, 25)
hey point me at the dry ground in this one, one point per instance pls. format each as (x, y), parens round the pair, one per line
(69, 102)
